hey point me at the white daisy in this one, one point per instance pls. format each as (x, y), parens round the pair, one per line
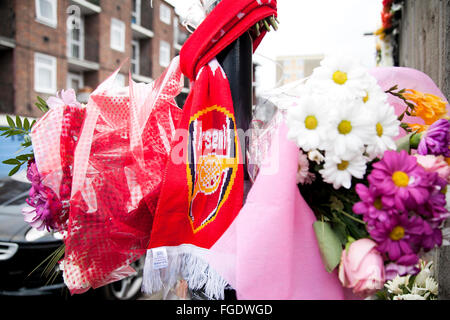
(409, 297)
(385, 127)
(350, 129)
(340, 170)
(308, 122)
(373, 95)
(396, 285)
(432, 286)
(423, 275)
(341, 76)
(316, 156)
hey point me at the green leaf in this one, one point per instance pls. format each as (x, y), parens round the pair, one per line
(22, 157)
(10, 122)
(12, 162)
(41, 101)
(404, 143)
(329, 245)
(415, 140)
(14, 171)
(26, 124)
(19, 122)
(26, 144)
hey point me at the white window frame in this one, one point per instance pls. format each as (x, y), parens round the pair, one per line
(74, 76)
(164, 47)
(165, 14)
(44, 20)
(80, 43)
(53, 69)
(135, 60)
(119, 26)
(137, 14)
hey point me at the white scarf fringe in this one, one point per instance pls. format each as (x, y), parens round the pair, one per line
(184, 262)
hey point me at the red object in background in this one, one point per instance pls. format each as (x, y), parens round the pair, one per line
(387, 4)
(386, 18)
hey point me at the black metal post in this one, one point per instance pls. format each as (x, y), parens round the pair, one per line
(237, 62)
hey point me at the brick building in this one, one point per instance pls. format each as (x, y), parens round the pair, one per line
(49, 45)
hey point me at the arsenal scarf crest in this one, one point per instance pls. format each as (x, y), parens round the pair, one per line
(202, 189)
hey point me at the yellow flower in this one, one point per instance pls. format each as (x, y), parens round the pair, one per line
(380, 33)
(418, 127)
(427, 106)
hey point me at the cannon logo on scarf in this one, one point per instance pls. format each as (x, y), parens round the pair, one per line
(212, 163)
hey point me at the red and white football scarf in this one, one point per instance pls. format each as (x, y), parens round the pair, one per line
(202, 190)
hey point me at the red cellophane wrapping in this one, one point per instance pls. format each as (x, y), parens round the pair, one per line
(118, 165)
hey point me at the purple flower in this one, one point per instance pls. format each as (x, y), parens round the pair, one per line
(435, 141)
(432, 236)
(402, 183)
(399, 237)
(434, 209)
(371, 206)
(44, 205)
(393, 269)
(64, 98)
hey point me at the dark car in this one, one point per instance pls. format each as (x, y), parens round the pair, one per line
(23, 248)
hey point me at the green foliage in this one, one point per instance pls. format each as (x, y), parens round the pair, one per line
(409, 106)
(50, 272)
(42, 105)
(19, 127)
(329, 244)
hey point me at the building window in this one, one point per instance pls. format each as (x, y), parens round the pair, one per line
(117, 35)
(136, 12)
(164, 13)
(44, 73)
(164, 53)
(75, 81)
(135, 57)
(75, 41)
(176, 30)
(46, 12)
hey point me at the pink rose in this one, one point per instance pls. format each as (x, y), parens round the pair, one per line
(303, 174)
(435, 164)
(362, 268)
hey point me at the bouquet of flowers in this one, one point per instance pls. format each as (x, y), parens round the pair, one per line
(380, 201)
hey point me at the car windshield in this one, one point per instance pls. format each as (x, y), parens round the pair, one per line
(13, 193)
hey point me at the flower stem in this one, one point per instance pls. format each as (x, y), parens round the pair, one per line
(350, 216)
